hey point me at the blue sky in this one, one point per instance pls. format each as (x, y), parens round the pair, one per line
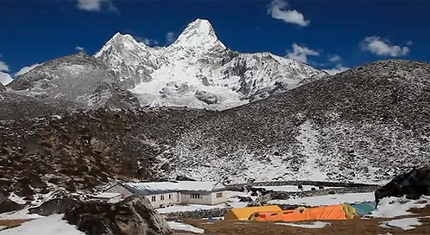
(324, 34)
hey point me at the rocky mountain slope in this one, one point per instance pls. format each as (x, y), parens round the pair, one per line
(199, 71)
(77, 78)
(365, 124)
(78, 150)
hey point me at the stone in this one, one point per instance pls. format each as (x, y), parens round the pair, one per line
(133, 216)
(7, 205)
(54, 206)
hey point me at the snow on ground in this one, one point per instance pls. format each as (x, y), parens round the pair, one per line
(184, 227)
(51, 225)
(233, 200)
(331, 199)
(17, 199)
(2, 227)
(291, 188)
(21, 214)
(316, 224)
(404, 223)
(393, 206)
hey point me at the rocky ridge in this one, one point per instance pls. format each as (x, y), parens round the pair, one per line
(80, 79)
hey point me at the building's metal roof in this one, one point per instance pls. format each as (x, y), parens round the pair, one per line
(173, 186)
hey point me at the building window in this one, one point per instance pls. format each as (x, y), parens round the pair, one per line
(196, 195)
(218, 195)
(170, 196)
(153, 198)
(162, 197)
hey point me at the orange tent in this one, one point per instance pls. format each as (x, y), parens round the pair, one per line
(335, 212)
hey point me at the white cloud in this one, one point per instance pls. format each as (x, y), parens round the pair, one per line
(301, 54)
(409, 43)
(170, 37)
(26, 69)
(79, 48)
(3, 66)
(96, 5)
(383, 47)
(334, 58)
(148, 41)
(337, 69)
(278, 9)
(5, 78)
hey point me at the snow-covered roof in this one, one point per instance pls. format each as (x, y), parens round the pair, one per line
(106, 195)
(173, 186)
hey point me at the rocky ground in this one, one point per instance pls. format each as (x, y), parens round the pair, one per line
(81, 149)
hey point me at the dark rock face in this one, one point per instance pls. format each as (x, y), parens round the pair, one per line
(7, 205)
(413, 184)
(133, 216)
(55, 206)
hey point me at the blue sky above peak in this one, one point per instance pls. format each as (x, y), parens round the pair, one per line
(330, 35)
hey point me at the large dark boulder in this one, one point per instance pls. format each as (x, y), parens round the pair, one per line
(413, 184)
(54, 206)
(133, 216)
(7, 205)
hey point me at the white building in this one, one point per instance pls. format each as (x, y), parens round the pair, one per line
(174, 192)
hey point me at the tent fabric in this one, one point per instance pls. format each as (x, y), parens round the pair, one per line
(246, 212)
(334, 212)
(349, 211)
(364, 208)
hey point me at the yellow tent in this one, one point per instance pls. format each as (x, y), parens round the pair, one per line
(244, 213)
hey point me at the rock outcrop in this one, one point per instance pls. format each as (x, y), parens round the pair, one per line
(133, 216)
(54, 206)
(7, 205)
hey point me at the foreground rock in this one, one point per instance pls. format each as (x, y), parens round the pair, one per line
(7, 205)
(54, 206)
(133, 216)
(413, 184)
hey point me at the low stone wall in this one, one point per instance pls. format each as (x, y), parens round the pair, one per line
(320, 192)
(197, 214)
(239, 187)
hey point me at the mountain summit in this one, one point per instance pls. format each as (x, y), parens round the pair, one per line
(198, 34)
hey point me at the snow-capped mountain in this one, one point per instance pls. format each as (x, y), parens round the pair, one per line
(77, 78)
(199, 71)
